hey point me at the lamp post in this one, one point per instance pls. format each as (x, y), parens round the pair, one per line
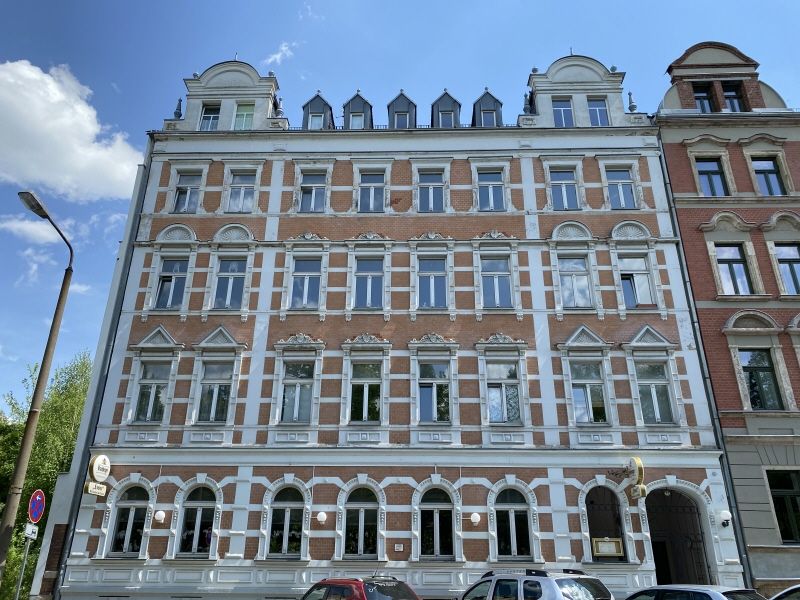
(33, 204)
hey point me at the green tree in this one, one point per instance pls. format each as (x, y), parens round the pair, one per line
(52, 452)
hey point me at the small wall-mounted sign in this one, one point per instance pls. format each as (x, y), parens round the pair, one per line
(96, 489)
(607, 546)
(398, 547)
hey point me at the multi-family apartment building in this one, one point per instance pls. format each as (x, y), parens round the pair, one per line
(423, 348)
(732, 148)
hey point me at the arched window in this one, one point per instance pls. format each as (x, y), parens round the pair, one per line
(286, 531)
(131, 513)
(361, 524)
(436, 525)
(198, 522)
(605, 525)
(513, 533)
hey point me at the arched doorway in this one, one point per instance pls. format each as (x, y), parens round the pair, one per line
(676, 535)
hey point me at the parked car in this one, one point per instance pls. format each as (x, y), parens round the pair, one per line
(695, 592)
(378, 587)
(533, 584)
(791, 593)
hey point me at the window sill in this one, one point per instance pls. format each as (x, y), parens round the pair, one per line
(295, 424)
(435, 424)
(663, 425)
(642, 307)
(364, 423)
(742, 297)
(508, 309)
(141, 424)
(192, 558)
(303, 309)
(205, 424)
(789, 297)
(509, 425)
(367, 309)
(592, 424)
(223, 310)
(279, 558)
(166, 310)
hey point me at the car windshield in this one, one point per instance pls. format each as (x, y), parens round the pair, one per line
(388, 590)
(743, 595)
(586, 588)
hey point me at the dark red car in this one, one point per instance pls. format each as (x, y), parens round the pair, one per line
(378, 587)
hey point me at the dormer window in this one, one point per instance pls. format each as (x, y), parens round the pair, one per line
(488, 118)
(401, 120)
(315, 121)
(446, 119)
(209, 121)
(598, 112)
(732, 92)
(357, 121)
(702, 98)
(562, 112)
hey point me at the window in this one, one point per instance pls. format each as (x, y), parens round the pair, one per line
(152, 391)
(446, 119)
(365, 393)
(286, 529)
(505, 589)
(432, 284)
(598, 112)
(479, 592)
(298, 381)
(490, 190)
(732, 267)
(564, 190)
(431, 192)
(171, 283)
(209, 120)
(711, 176)
(605, 526)
(732, 92)
(785, 489)
(187, 193)
(215, 392)
(244, 116)
(574, 277)
(369, 283)
(131, 513)
(620, 189)
(496, 282)
(654, 392)
(401, 120)
(305, 282)
(198, 522)
(356, 120)
(503, 393)
(768, 176)
(788, 256)
(562, 112)
(702, 98)
(436, 525)
(315, 121)
(759, 375)
(635, 279)
(434, 392)
(513, 538)
(588, 398)
(243, 189)
(361, 524)
(230, 283)
(532, 590)
(488, 118)
(312, 193)
(370, 193)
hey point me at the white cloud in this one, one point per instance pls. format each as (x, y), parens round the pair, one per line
(5, 356)
(32, 231)
(284, 52)
(53, 139)
(34, 259)
(308, 13)
(80, 288)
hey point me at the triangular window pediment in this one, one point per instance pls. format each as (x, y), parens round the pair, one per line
(583, 337)
(650, 338)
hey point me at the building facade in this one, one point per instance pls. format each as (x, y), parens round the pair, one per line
(429, 352)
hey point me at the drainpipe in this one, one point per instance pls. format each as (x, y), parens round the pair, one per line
(727, 477)
(84, 446)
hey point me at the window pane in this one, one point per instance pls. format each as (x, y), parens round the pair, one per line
(496, 265)
(629, 291)
(427, 547)
(501, 370)
(580, 404)
(523, 539)
(431, 177)
(118, 544)
(433, 370)
(426, 402)
(351, 531)
(218, 370)
(512, 402)
(442, 402)
(367, 370)
(503, 532)
(664, 404)
(490, 177)
(369, 265)
(276, 531)
(650, 371)
(585, 370)
(223, 394)
(376, 299)
(445, 532)
(374, 406)
(495, 403)
(357, 402)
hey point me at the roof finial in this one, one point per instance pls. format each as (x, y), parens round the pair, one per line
(402, 91)
(178, 112)
(319, 91)
(486, 88)
(631, 103)
(570, 51)
(358, 90)
(236, 56)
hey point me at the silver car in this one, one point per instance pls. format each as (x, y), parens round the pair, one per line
(534, 584)
(695, 592)
(790, 593)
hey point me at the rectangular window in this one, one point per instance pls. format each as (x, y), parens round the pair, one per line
(356, 120)
(286, 531)
(370, 193)
(654, 393)
(711, 176)
(768, 176)
(369, 283)
(759, 374)
(490, 190)
(620, 189)
(298, 381)
(401, 120)
(315, 121)
(215, 392)
(446, 119)
(502, 393)
(788, 256)
(187, 193)
(564, 190)
(733, 272)
(305, 282)
(732, 92)
(244, 116)
(635, 279)
(576, 291)
(431, 192)
(243, 190)
(171, 283)
(230, 283)
(488, 118)
(209, 120)
(496, 282)
(312, 193)
(587, 392)
(434, 392)
(365, 393)
(152, 391)
(702, 98)
(562, 112)
(598, 112)
(432, 282)
(785, 489)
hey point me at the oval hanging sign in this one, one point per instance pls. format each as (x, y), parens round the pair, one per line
(100, 468)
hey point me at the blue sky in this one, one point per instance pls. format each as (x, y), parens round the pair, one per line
(81, 83)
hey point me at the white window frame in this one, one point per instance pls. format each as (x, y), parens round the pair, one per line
(481, 165)
(244, 126)
(307, 277)
(372, 166)
(571, 381)
(513, 509)
(452, 114)
(485, 113)
(365, 383)
(216, 383)
(131, 506)
(175, 305)
(562, 111)
(575, 248)
(230, 188)
(207, 352)
(620, 164)
(361, 507)
(587, 274)
(299, 348)
(287, 507)
(597, 111)
(218, 106)
(316, 121)
(558, 164)
(302, 248)
(420, 166)
(645, 274)
(298, 383)
(187, 189)
(408, 119)
(652, 383)
(365, 349)
(354, 119)
(166, 385)
(184, 249)
(201, 506)
(379, 248)
(501, 248)
(314, 167)
(503, 349)
(432, 348)
(178, 167)
(218, 275)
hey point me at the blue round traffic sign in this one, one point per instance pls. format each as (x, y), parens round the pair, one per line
(36, 506)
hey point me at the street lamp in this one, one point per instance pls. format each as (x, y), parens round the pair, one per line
(35, 205)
